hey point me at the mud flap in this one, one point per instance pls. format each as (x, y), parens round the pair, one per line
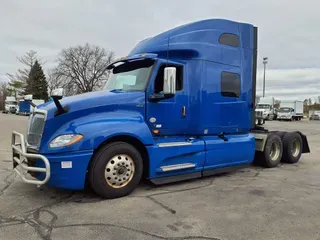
(305, 144)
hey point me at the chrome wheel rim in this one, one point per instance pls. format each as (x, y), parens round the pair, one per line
(295, 150)
(119, 171)
(275, 151)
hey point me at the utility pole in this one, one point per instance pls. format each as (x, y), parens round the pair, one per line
(265, 61)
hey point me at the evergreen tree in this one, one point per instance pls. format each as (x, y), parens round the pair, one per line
(37, 84)
(15, 87)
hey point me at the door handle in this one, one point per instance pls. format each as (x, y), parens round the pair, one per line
(183, 112)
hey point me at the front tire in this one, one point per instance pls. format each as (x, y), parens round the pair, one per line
(259, 122)
(116, 170)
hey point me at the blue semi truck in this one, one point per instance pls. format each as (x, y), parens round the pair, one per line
(181, 105)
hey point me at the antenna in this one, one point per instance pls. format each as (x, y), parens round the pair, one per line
(168, 51)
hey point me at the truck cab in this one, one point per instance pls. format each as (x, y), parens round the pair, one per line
(266, 108)
(291, 110)
(179, 106)
(286, 113)
(10, 105)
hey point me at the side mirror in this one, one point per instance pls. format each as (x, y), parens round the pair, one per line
(57, 93)
(169, 81)
(28, 97)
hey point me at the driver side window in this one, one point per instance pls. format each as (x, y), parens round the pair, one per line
(158, 84)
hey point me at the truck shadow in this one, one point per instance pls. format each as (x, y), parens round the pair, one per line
(148, 189)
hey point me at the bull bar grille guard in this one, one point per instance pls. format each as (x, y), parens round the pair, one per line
(22, 161)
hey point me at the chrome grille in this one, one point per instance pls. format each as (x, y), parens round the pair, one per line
(259, 114)
(35, 129)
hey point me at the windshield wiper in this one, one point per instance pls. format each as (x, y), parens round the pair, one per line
(117, 90)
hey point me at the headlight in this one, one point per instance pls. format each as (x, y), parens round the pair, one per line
(65, 140)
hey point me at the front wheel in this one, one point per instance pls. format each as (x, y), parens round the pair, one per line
(116, 170)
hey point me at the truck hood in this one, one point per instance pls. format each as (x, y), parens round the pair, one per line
(98, 101)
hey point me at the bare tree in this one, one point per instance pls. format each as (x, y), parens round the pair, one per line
(28, 60)
(54, 81)
(83, 68)
(257, 99)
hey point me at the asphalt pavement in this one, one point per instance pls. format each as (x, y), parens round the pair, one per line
(252, 203)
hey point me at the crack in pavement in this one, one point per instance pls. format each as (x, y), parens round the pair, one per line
(133, 230)
(167, 208)
(162, 205)
(8, 182)
(151, 196)
(6, 169)
(44, 229)
(33, 218)
(183, 190)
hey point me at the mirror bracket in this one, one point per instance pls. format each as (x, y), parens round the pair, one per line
(159, 97)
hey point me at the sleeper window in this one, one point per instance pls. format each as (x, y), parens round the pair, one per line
(229, 39)
(230, 84)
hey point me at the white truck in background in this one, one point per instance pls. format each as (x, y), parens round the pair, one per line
(266, 108)
(10, 105)
(290, 110)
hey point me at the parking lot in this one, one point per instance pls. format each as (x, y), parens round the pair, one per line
(253, 203)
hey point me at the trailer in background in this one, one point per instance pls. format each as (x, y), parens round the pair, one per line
(26, 108)
(290, 110)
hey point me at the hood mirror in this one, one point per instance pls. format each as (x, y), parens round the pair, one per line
(28, 97)
(57, 93)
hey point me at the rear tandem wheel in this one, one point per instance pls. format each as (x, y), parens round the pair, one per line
(272, 154)
(292, 147)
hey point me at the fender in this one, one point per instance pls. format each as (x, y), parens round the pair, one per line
(98, 127)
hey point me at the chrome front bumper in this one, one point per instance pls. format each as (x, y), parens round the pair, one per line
(284, 117)
(20, 164)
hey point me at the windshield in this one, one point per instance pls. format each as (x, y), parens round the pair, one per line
(263, 106)
(130, 76)
(285, 110)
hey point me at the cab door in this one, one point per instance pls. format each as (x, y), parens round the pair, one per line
(168, 116)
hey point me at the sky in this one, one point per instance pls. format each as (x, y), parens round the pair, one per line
(288, 32)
